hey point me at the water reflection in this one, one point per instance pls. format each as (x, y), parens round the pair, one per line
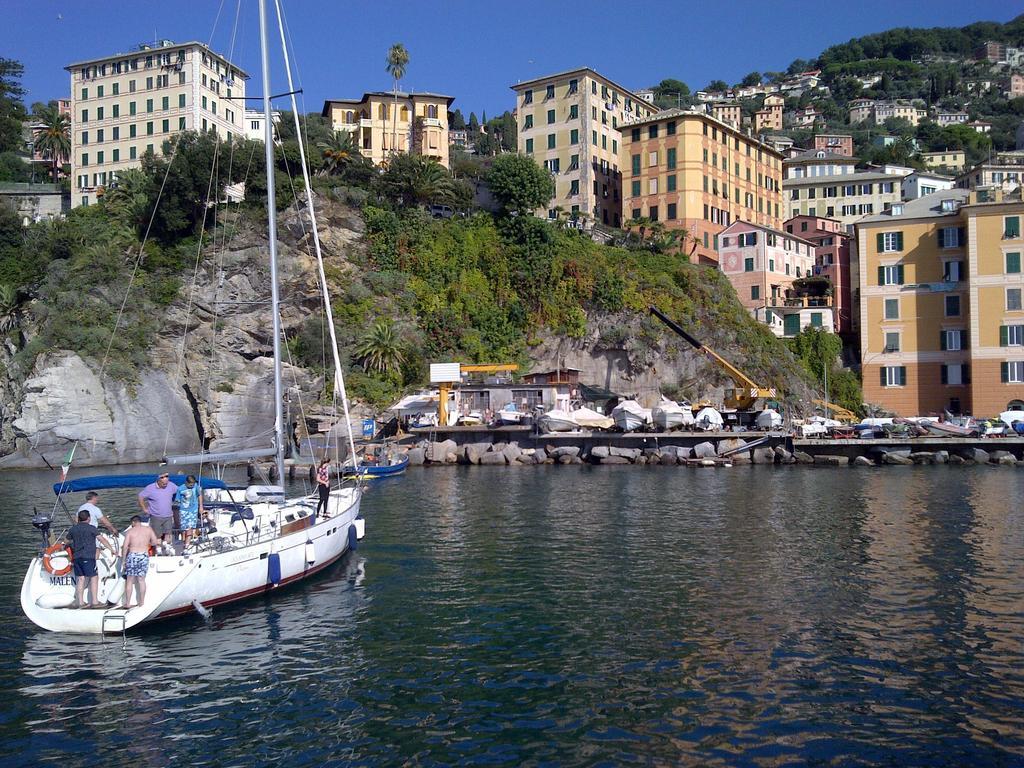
(586, 615)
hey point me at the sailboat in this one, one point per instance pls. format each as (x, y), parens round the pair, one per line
(260, 540)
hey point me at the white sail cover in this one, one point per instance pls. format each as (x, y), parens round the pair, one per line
(668, 414)
(769, 419)
(1008, 417)
(630, 415)
(708, 419)
(591, 419)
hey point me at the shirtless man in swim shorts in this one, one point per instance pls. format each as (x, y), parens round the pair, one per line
(135, 551)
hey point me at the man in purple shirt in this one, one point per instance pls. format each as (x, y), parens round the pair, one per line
(155, 500)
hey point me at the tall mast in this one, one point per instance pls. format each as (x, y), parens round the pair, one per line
(275, 299)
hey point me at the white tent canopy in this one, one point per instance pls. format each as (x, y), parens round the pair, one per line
(708, 419)
(419, 403)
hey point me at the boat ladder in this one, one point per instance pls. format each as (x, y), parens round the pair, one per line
(118, 623)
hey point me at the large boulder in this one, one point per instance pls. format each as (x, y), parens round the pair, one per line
(626, 453)
(704, 450)
(416, 456)
(493, 458)
(437, 453)
(802, 457)
(600, 452)
(730, 444)
(922, 457)
(896, 459)
(668, 458)
(473, 451)
(615, 460)
(564, 450)
(975, 454)
(512, 452)
(527, 458)
(996, 457)
(783, 455)
(832, 461)
(762, 455)
(940, 457)
(863, 461)
(955, 459)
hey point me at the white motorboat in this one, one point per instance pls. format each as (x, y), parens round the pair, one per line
(588, 418)
(630, 416)
(510, 415)
(708, 420)
(471, 419)
(769, 419)
(668, 415)
(557, 421)
(260, 539)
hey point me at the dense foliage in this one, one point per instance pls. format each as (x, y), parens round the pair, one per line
(820, 351)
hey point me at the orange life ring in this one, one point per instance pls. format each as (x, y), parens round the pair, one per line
(57, 551)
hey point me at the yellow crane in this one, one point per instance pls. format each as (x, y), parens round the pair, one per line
(445, 387)
(746, 392)
(842, 414)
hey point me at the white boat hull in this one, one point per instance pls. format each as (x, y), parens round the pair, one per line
(557, 424)
(671, 418)
(175, 583)
(628, 422)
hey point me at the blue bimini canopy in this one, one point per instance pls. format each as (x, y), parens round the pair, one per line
(100, 482)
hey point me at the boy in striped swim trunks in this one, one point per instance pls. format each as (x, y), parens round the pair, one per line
(135, 551)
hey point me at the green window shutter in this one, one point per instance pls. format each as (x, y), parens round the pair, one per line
(944, 375)
(881, 376)
(942, 237)
(899, 241)
(962, 233)
(902, 370)
(1012, 226)
(879, 242)
(899, 273)
(942, 340)
(1013, 263)
(1004, 336)
(1004, 372)
(881, 274)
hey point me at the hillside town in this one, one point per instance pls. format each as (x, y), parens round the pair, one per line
(891, 222)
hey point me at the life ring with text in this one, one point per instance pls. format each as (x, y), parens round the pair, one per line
(57, 552)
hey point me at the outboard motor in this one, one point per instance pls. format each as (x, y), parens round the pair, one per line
(42, 522)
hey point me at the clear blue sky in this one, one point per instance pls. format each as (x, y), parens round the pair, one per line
(470, 50)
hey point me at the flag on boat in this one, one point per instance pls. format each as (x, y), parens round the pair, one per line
(67, 463)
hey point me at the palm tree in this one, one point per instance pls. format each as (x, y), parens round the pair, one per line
(53, 137)
(398, 60)
(559, 215)
(641, 224)
(628, 225)
(8, 307)
(381, 351)
(128, 199)
(338, 152)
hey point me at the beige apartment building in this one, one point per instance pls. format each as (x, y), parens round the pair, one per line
(942, 314)
(690, 171)
(822, 183)
(728, 112)
(769, 116)
(420, 126)
(947, 159)
(571, 123)
(1003, 169)
(127, 104)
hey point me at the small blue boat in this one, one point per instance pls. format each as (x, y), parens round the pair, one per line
(374, 471)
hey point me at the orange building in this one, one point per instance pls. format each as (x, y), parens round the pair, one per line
(691, 171)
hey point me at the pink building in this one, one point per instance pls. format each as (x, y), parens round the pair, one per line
(1016, 86)
(832, 261)
(769, 270)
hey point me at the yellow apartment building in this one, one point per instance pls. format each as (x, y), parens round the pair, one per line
(769, 116)
(947, 159)
(942, 318)
(570, 123)
(127, 104)
(694, 172)
(421, 125)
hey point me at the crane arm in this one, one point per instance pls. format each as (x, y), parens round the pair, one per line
(738, 376)
(487, 368)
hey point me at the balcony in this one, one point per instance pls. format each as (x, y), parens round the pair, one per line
(432, 122)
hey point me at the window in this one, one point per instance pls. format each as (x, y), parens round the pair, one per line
(165, 103)
(1011, 335)
(131, 107)
(1012, 372)
(149, 83)
(99, 136)
(574, 187)
(652, 214)
(149, 105)
(893, 375)
(892, 309)
(115, 155)
(573, 87)
(149, 129)
(671, 212)
(1013, 299)
(529, 146)
(181, 123)
(892, 275)
(1013, 263)
(670, 158)
(635, 159)
(794, 194)
(527, 122)
(574, 111)
(954, 375)
(951, 340)
(746, 239)
(574, 136)
(181, 100)
(551, 141)
(1011, 226)
(670, 183)
(131, 153)
(748, 263)
(551, 116)
(528, 97)
(635, 189)
(99, 158)
(952, 304)
(652, 186)
(951, 237)
(549, 92)
(165, 126)
(652, 131)
(604, 142)
(889, 242)
(952, 271)
(755, 292)
(85, 158)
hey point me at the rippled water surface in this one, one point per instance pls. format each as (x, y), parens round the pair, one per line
(574, 616)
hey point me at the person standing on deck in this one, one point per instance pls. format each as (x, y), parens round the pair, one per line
(323, 484)
(135, 551)
(155, 501)
(96, 516)
(190, 508)
(83, 536)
